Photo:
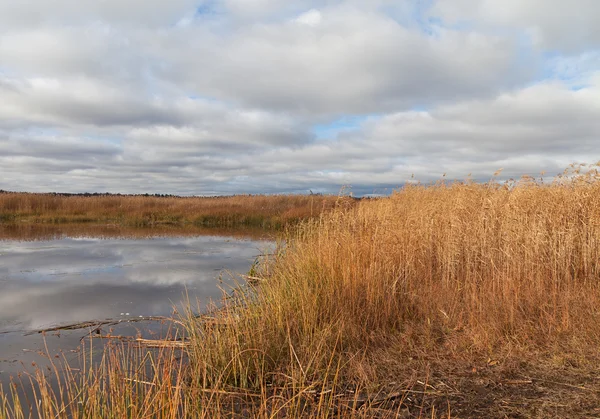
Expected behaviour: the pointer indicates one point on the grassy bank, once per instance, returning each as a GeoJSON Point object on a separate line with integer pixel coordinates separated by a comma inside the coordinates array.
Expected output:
{"type": "Point", "coordinates": [447, 300]}
{"type": "Point", "coordinates": [265, 211]}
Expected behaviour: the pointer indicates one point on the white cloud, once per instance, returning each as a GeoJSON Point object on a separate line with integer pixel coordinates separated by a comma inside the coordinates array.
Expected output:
{"type": "Point", "coordinates": [351, 62]}
{"type": "Point", "coordinates": [224, 96]}
{"type": "Point", "coordinates": [311, 18]}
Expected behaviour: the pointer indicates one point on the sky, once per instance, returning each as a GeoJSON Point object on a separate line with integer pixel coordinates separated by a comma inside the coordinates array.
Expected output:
{"type": "Point", "coordinates": [220, 97]}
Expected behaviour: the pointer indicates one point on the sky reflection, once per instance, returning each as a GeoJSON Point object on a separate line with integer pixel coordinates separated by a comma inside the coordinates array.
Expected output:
{"type": "Point", "coordinates": [68, 280]}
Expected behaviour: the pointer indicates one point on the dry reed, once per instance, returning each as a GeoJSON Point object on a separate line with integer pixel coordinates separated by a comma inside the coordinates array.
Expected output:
{"type": "Point", "coordinates": [461, 268]}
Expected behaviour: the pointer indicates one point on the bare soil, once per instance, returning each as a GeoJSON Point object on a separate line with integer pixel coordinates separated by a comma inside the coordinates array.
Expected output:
{"type": "Point", "coordinates": [535, 388]}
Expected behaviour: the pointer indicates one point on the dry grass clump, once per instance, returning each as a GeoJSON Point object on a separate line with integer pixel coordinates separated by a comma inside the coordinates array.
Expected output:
{"type": "Point", "coordinates": [125, 382]}
{"type": "Point", "coordinates": [272, 211]}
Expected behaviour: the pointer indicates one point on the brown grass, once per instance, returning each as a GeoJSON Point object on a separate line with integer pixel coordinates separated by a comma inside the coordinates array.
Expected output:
{"type": "Point", "coordinates": [267, 211]}
{"type": "Point", "coordinates": [479, 299]}
{"type": "Point", "coordinates": [459, 272]}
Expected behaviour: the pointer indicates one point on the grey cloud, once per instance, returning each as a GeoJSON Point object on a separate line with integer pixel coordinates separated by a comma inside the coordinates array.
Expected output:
{"type": "Point", "coordinates": [474, 137]}
{"type": "Point", "coordinates": [220, 129]}
{"type": "Point", "coordinates": [543, 127]}
{"type": "Point", "coordinates": [34, 13]}
{"type": "Point", "coordinates": [49, 101]}
{"type": "Point", "coordinates": [351, 62]}
{"type": "Point", "coordinates": [49, 147]}
{"type": "Point", "coordinates": [144, 122]}
{"type": "Point", "coordinates": [570, 26]}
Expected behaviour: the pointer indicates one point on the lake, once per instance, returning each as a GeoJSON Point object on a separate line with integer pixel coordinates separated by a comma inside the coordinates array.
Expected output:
{"type": "Point", "coordinates": [58, 276]}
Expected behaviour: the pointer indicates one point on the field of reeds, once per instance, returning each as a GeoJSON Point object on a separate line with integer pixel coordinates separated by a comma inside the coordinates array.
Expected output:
{"type": "Point", "coordinates": [446, 300]}
{"type": "Point", "coordinates": [264, 211]}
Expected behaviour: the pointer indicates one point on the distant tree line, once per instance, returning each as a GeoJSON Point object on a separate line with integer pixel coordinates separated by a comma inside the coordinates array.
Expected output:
{"type": "Point", "coordinates": [156, 195]}
{"type": "Point", "coordinates": [86, 194]}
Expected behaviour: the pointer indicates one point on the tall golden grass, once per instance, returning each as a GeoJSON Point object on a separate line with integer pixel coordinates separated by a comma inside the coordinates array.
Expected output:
{"type": "Point", "coordinates": [271, 211]}
{"type": "Point", "coordinates": [444, 270]}
{"type": "Point", "coordinates": [453, 268]}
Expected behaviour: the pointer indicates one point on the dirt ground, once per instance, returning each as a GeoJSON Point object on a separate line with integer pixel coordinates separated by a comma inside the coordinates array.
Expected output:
{"type": "Point", "coordinates": [496, 389]}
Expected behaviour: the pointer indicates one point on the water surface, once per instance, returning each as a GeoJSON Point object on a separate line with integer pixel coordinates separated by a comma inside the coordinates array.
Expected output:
{"type": "Point", "coordinates": [59, 278]}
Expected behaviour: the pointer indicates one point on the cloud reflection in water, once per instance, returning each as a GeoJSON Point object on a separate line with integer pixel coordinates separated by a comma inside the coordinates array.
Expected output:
{"type": "Point", "coordinates": [77, 279]}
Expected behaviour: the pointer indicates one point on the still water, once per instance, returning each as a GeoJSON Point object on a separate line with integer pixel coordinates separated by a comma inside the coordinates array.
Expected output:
{"type": "Point", "coordinates": [67, 277]}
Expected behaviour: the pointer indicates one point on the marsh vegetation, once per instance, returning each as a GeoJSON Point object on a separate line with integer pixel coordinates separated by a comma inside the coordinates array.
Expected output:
{"type": "Point", "coordinates": [447, 300]}
{"type": "Point", "coordinates": [264, 211]}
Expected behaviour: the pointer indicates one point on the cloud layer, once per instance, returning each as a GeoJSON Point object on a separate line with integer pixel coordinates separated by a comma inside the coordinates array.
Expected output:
{"type": "Point", "coordinates": [219, 97]}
